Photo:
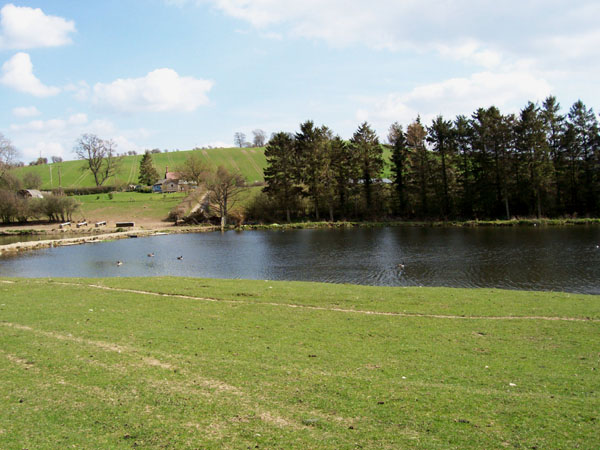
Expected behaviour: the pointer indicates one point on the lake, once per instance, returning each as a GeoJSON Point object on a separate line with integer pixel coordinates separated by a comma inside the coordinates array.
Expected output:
{"type": "Point", "coordinates": [532, 258]}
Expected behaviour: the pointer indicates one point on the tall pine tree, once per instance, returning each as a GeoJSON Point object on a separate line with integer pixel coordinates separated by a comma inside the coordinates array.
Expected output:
{"type": "Point", "coordinates": [148, 174]}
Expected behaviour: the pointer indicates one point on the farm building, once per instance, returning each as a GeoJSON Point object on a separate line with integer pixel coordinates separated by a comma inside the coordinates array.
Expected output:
{"type": "Point", "coordinates": [30, 193]}
{"type": "Point", "coordinates": [172, 182]}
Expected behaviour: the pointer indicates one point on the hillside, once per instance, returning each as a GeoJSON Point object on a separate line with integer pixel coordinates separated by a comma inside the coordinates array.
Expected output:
{"type": "Point", "coordinates": [249, 161]}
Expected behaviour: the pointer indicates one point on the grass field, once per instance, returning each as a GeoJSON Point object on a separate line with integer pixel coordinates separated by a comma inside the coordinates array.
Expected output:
{"type": "Point", "coordinates": [127, 206]}
{"type": "Point", "coordinates": [109, 363]}
{"type": "Point", "coordinates": [249, 161]}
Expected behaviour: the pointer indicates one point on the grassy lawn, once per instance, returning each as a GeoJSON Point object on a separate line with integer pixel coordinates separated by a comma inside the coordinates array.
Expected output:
{"type": "Point", "coordinates": [249, 161]}
{"type": "Point", "coordinates": [260, 364]}
{"type": "Point", "coordinates": [128, 206]}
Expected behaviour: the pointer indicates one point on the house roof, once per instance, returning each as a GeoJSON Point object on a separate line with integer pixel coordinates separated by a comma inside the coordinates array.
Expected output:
{"type": "Point", "coordinates": [32, 192]}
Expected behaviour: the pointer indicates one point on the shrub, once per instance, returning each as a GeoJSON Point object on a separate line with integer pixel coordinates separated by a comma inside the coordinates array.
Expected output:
{"type": "Point", "coordinates": [83, 190]}
{"type": "Point", "coordinates": [54, 207]}
{"type": "Point", "coordinates": [12, 207]}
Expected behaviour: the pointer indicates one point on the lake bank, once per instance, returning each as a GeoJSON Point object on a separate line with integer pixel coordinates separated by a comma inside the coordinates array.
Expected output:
{"type": "Point", "coordinates": [187, 362]}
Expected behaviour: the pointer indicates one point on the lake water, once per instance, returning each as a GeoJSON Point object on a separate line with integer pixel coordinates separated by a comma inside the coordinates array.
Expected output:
{"type": "Point", "coordinates": [534, 258]}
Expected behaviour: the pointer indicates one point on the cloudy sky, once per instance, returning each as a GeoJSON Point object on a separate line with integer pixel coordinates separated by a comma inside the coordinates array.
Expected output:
{"type": "Point", "coordinates": [183, 73]}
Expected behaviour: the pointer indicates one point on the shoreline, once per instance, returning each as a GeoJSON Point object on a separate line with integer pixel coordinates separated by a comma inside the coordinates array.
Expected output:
{"type": "Point", "coordinates": [93, 235]}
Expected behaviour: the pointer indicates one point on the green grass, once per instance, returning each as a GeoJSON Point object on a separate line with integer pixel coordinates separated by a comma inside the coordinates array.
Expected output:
{"type": "Point", "coordinates": [294, 365]}
{"type": "Point", "coordinates": [249, 161]}
{"type": "Point", "coordinates": [127, 206]}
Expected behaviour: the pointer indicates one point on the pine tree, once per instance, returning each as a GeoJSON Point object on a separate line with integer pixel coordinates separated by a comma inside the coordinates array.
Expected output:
{"type": "Point", "coordinates": [148, 174]}
{"type": "Point", "coordinates": [532, 145]}
{"type": "Point", "coordinates": [554, 127]}
{"type": "Point", "coordinates": [441, 135]}
{"type": "Point", "coordinates": [420, 170]}
{"type": "Point", "coordinates": [280, 173]}
{"type": "Point", "coordinates": [311, 147]}
{"type": "Point", "coordinates": [400, 161]}
{"type": "Point", "coordinates": [369, 153]}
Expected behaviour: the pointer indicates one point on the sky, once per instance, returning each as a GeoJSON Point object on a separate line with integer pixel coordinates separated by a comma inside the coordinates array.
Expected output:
{"type": "Point", "coordinates": [179, 74]}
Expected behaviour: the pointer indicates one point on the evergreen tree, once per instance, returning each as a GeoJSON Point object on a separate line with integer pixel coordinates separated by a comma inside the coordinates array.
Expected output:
{"type": "Point", "coordinates": [311, 148]}
{"type": "Point", "coordinates": [463, 136]}
{"type": "Point", "coordinates": [584, 142]}
{"type": "Point", "coordinates": [369, 154]}
{"type": "Point", "coordinates": [400, 165]}
{"type": "Point", "coordinates": [344, 170]}
{"type": "Point", "coordinates": [148, 174]}
{"type": "Point", "coordinates": [420, 165]}
{"type": "Point", "coordinates": [492, 144]}
{"type": "Point", "coordinates": [441, 135]}
{"type": "Point", "coordinates": [531, 143]}
{"type": "Point", "coordinates": [280, 173]}
{"type": "Point", "coordinates": [554, 127]}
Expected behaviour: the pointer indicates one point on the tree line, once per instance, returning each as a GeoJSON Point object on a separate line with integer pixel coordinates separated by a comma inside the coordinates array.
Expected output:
{"type": "Point", "coordinates": [490, 165]}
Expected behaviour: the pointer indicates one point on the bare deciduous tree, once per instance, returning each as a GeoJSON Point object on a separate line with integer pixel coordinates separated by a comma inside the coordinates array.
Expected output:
{"type": "Point", "coordinates": [56, 159]}
{"type": "Point", "coordinates": [239, 139]}
{"type": "Point", "coordinates": [224, 188]}
{"type": "Point", "coordinates": [100, 155]}
{"type": "Point", "coordinates": [194, 169]}
{"type": "Point", "coordinates": [8, 153]}
{"type": "Point", "coordinates": [260, 137]}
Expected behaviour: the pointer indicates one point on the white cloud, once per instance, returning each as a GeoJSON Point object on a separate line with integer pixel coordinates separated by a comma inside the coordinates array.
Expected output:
{"type": "Point", "coordinates": [24, 27]}
{"type": "Point", "coordinates": [52, 124]}
{"type": "Point", "coordinates": [25, 111]}
{"type": "Point", "coordinates": [160, 90]}
{"type": "Point", "coordinates": [455, 96]}
{"type": "Point", "coordinates": [56, 137]}
{"type": "Point", "coordinates": [484, 32]}
{"type": "Point", "coordinates": [17, 73]}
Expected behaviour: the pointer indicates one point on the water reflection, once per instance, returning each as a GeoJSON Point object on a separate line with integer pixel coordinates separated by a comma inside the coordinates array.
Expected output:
{"type": "Point", "coordinates": [523, 258]}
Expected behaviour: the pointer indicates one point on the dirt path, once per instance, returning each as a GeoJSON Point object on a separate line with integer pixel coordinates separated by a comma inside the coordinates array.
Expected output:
{"type": "Point", "coordinates": [341, 310]}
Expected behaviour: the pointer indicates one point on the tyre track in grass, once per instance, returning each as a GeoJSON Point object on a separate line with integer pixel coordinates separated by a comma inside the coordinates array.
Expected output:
{"type": "Point", "coordinates": [146, 361]}
{"type": "Point", "coordinates": [341, 310]}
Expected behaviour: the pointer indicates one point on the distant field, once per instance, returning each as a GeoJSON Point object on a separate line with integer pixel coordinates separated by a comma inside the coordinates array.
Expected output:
{"type": "Point", "coordinates": [127, 206]}
{"type": "Point", "coordinates": [249, 161]}
{"type": "Point", "coordinates": [198, 363]}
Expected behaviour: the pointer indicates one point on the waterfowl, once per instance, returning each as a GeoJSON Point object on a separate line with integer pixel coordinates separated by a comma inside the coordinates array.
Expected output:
{"type": "Point", "coordinates": [150, 255]}
{"type": "Point", "coordinates": [119, 263]}
{"type": "Point", "coordinates": [180, 257]}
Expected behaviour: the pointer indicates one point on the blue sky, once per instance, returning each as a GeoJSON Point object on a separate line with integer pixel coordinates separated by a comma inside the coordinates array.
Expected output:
{"type": "Point", "coordinates": [183, 73]}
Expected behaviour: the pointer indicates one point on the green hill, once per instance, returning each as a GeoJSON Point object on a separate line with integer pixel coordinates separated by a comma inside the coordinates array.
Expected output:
{"type": "Point", "coordinates": [249, 161]}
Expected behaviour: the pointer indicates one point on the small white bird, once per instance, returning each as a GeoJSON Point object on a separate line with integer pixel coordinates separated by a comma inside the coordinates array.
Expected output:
{"type": "Point", "coordinates": [119, 263]}
{"type": "Point", "coordinates": [401, 266]}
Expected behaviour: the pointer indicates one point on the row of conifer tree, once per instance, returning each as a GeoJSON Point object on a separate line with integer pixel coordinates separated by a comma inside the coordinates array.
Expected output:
{"type": "Point", "coordinates": [490, 165]}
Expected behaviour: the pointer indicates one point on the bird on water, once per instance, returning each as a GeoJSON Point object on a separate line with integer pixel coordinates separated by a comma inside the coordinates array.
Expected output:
{"type": "Point", "coordinates": [150, 255]}
{"type": "Point", "coordinates": [119, 263]}
{"type": "Point", "coordinates": [180, 257]}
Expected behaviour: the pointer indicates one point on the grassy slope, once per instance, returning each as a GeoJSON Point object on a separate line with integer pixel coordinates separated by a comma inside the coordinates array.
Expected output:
{"type": "Point", "coordinates": [127, 206]}
{"type": "Point", "coordinates": [87, 367]}
{"type": "Point", "coordinates": [250, 161]}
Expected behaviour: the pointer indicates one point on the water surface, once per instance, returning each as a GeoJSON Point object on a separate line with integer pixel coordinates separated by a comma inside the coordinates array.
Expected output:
{"type": "Point", "coordinates": [533, 258]}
